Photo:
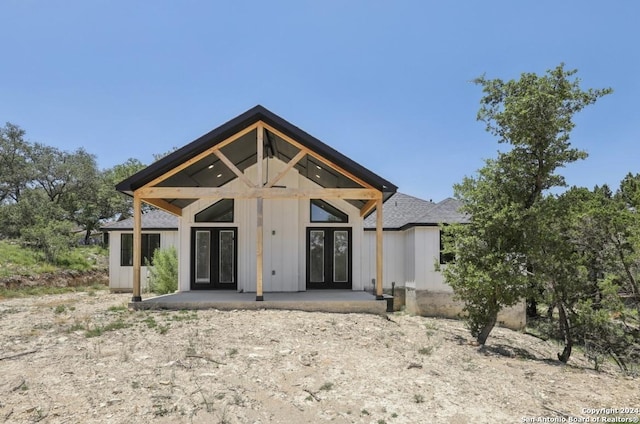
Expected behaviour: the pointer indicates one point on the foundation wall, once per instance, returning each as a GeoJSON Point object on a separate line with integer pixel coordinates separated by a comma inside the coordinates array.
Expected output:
{"type": "Point", "coordinates": [441, 304]}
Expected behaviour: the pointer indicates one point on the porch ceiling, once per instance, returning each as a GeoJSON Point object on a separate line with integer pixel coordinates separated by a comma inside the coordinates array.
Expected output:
{"type": "Point", "coordinates": [210, 170]}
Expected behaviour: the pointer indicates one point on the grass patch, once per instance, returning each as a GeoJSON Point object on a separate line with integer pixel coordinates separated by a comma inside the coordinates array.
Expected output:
{"type": "Point", "coordinates": [99, 330]}
{"type": "Point", "coordinates": [327, 386]}
{"type": "Point", "coordinates": [150, 321]}
{"type": "Point", "coordinates": [76, 327]}
{"type": "Point", "coordinates": [47, 290]}
{"type": "Point", "coordinates": [120, 308]}
{"type": "Point", "coordinates": [17, 260]}
{"type": "Point", "coordinates": [418, 398]}
{"type": "Point", "coordinates": [425, 350]}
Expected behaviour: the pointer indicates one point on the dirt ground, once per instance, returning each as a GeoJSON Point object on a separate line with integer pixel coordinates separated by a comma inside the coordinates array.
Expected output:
{"type": "Point", "coordinates": [84, 357]}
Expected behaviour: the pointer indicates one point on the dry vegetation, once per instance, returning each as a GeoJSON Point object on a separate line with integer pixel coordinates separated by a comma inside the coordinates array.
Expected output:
{"type": "Point", "coordinates": [84, 357]}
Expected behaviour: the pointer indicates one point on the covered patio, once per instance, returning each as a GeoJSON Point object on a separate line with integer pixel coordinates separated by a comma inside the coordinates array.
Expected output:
{"type": "Point", "coordinates": [263, 206]}
{"type": "Point", "coordinates": [338, 301]}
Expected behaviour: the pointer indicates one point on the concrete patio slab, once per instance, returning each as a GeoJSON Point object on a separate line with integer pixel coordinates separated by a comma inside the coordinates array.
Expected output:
{"type": "Point", "coordinates": [339, 301]}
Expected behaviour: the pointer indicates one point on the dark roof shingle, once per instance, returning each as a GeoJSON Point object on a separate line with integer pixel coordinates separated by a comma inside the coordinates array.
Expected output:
{"type": "Point", "coordinates": [152, 220]}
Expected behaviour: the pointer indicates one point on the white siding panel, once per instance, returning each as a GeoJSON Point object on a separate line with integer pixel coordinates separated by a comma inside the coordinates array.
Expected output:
{"type": "Point", "coordinates": [393, 265]}
{"type": "Point", "coordinates": [427, 255]}
{"type": "Point", "coordinates": [121, 277]}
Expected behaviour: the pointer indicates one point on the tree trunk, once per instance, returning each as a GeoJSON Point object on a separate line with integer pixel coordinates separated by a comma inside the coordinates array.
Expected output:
{"type": "Point", "coordinates": [566, 334]}
{"type": "Point", "coordinates": [486, 330]}
{"type": "Point", "coordinates": [532, 308]}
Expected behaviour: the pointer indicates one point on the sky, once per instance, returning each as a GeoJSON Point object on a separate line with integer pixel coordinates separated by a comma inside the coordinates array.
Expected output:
{"type": "Point", "coordinates": [387, 83]}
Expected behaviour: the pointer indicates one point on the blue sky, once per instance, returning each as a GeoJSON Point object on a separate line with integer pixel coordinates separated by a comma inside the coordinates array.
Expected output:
{"type": "Point", "coordinates": [386, 83]}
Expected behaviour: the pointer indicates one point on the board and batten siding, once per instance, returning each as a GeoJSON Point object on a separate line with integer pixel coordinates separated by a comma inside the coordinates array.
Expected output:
{"type": "Point", "coordinates": [121, 277]}
{"type": "Point", "coordinates": [410, 258]}
{"type": "Point", "coordinates": [394, 258]}
{"type": "Point", "coordinates": [427, 253]}
{"type": "Point", "coordinates": [284, 239]}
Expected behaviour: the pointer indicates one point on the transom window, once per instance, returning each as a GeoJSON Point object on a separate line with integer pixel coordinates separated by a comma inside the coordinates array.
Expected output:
{"type": "Point", "coordinates": [321, 211]}
{"type": "Point", "coordinates": [221, 211]}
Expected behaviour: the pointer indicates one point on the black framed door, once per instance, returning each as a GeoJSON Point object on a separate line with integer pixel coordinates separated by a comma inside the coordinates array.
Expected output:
{"type": "Point", "coordinates": [214, 258]}
{"type": "Point", "coordinates": [329, 258]}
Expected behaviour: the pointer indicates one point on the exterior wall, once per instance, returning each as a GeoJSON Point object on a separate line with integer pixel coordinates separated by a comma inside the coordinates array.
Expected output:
{"type": "Point", "coordinates": [394, 265]}
{"type": "Point", "coordinates": [284, 237]}
{"type": "Point", "coordinates": [410, 259]}
{"type": "Point", "coordinates": [442, 304]}
{"type": "Point", "coordinates": [121, 277]}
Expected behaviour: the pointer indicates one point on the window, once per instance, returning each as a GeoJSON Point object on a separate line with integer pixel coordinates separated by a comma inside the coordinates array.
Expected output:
{"type": "Point", "coordinates": [150, 242]}
{"type": "Point", "coordinates": [321, 211]}
{"type": "Point", "coordinates": [445, 258]}
{"type": "Point", "coordinates": [221, 211]}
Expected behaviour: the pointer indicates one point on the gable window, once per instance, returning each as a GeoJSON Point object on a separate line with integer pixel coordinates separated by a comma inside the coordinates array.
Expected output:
{"type": "Point", "coordinates": [321, 211]}
{"type": "Point", "coordinates": [150, 242]}
{"type": "Point", "coordinates": [221, 211]}
{"type": "Point", "coordinates": [447, 257]}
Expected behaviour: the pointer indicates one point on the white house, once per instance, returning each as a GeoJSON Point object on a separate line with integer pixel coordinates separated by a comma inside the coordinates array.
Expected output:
{"type": "Point", "coordinates": [258, 205]}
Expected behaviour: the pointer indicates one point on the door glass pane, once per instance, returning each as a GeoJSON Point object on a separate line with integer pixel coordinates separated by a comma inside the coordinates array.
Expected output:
{"type": "Point", "coordinates": [203, 257]}
{"type": "Point", "coordinates": [340, 256]}
{"type": "Point", "coordinates": [316, 256]}
{"type": "Point", "coordinates": [226, 257]}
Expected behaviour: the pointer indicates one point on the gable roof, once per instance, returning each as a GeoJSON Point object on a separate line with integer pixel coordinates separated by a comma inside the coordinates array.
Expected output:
{"type": "Point", "coordinates": [242, 152]}
{"type": "Point", "coordinates": [402, 211]}
{"type": "Point", "coordinates": [155, 219]}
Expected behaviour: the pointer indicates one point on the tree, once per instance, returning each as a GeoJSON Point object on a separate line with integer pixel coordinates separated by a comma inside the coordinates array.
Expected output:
{"type": "Point", "coordinates": [534, 116]}
{"type": "Point", "coordinates": [15, 165]}
{"type": "Point", "coordinates": [583, 264]}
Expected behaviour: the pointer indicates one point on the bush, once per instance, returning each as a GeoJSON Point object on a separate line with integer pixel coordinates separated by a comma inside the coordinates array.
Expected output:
{"type": "Point", "coordinates": [73, 259]}
{"type": "Point", "coordinates": [163, 275]}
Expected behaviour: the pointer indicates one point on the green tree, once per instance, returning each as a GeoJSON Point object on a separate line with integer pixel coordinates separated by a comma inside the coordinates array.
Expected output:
{"type": "Point", "coordinates": [15, 165]}
{"type": "Point", "coordinates": [583, 264]}
{"type": "Point", "coordinates": [534, 115]}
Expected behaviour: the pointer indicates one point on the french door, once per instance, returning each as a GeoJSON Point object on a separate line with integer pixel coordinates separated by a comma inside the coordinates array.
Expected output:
{"type": "Point", "coordinates": [329, 258]}
{"type": "Point", "coordinates": [214, 259]}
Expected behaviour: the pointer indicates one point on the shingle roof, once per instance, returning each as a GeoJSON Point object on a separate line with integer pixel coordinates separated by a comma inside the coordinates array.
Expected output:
{"type": "Point", "coordinates": [445, 212]}
{"type": "Point", "coordinates": [402, 211]}
{"type": "Point", "coordinates": [152, 220]}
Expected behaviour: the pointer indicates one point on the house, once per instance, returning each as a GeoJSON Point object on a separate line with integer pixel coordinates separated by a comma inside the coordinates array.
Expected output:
{"type": "Point", "coordinates": [258, 205]}
{"type": "Point", "coordinates": [262, 206]}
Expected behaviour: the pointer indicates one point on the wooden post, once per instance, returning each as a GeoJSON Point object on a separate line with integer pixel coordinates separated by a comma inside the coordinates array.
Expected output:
{"type": "Point", "coordinates": [379, 249]}
{"type": "Point", "coordinates": [259, 223]}
{"type": "Point", "coordinates": [259, 251]}
{"type": "Point", "coordinates": [137, 246]}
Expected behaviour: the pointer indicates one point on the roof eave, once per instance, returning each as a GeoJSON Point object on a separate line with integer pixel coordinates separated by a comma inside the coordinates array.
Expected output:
{"type": "Point", "coordinates": [237, 124]}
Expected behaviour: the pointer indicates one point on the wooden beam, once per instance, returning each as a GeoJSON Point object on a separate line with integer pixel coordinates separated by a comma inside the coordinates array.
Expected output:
{"type": "Point", "coordinates": [368, 207]}
{"type": "Point", "coordinates": [137, 246]}
{"type": "Point", "coordinates": [379, 243]}
{"type": "Point", "coordinates": [164, 205]}
{"type": "Point", "coordinates": [319, 158]}
{"type": "Point", "coordinates": [297, 158]}
{"type": "Point", "coordinates": [253, 193]}
{"type": "Point", "coordinates": [233, 168]}
{"type": "Point", "coordinates": [201, 156]}
{"type": "Point", "coordinates": [260, 154]}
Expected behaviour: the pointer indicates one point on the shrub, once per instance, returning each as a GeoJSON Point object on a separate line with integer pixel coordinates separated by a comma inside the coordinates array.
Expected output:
{"type": "Point", "coordinates": [163, 275]}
